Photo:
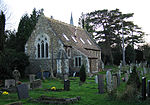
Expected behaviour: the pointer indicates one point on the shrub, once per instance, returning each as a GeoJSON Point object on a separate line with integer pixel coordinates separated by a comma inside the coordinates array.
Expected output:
{"type": "Point", "coordinates": [11, 59]}
{"type": "Point", "coordinates": [134, 79]}
{"type": "Point", "coordinates": [82, 74]}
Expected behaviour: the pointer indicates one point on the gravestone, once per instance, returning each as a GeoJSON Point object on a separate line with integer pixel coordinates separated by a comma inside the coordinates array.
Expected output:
{"type": "Point", "coordinates": [126, 77]}
{"type": "Point", "coordinates": [120, 66]}
{"type": "Point", "coordinates": [67, 85]}
{"type": "Point", "coordinates": [16, 75]}
{"type": "Point", "coordinates": [119, 73]}
{"type": "Point", "coordinates": [143, 88]}
{"type": "Point", "coordinates": [118, 80]}
{"type": "Point", "coordinates": [103, 66]}
{"type": "Point", "coordinates": [145, 71]}
{"type": "Point", "coordinates": [22, 91]}
{"type": "Point", "coordinates": [31, 78]}
{"type": "Point", "coordinates": [108, 79]}
{"type": "Point", "coordinates": [9, 83]}
{"type": "Point", "coordinates": [128, 72]}
{"type": "Point", "coordinates": [138, 72]}
{"type": "Point", "coordinates": [130, 68]}
{"type": "Point", "coordinates": [36, 84]}
{"type": "Point", "coordinates": [142, 73]}
{"type": "Point", "coordinates": [66, 77]}
{"type": "Point", "coordinates": [100, 84]}
{"type": "Point", "coordinates": [96, 79]}
{"type": "Point", "coordinates": [148, 88]}
{"type": "Point", "coordinates": [114, 82]}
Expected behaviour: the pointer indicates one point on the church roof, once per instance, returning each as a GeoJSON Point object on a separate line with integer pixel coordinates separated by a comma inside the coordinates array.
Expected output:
{"type": "Point", "coordinates": [73, 36]}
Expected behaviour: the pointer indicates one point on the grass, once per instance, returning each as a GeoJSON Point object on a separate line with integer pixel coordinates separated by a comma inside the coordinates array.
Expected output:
{"type": "Point", "coordinates": [88, 93]}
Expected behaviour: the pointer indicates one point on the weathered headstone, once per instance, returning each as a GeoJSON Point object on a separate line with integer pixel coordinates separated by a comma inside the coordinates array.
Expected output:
{"type": "Point", "coordinates": [96, 79]}
{"type": "Point", "coordinates": [142, 73]}
{"type": "Point", "coordinates": [138, 72]}
{"type": "Point", "coordinates": [120, 66]}
{"type": "Point", "coordinates": [143, 88]}
{"type": "Point", "coordinates": [130, 68]}
{"type": "Point", "coordinates": [103, 66]}
{"type": "Point", "coordinates": [114, 82]}
{"type": "Point", "coordinates": [118, 80]}
{"type": "Point", "coordinates": [126, 77]}
{"type": "Point", "coordinates": [16, 75]}
{"type": "Point", "coordinates": [108, 79]}
{"type": "Point", "coordinates": [119, 73]}
{"type": "Point", "coordinates": [145, 71]}
{"type": "Point", "coordinates": [128, 72]}
{"type": "Point", "coordinates": [67, 85]}
{"type": "Point", "coordinates": [22, 91]}
{"type": "Point", "coordinates": [36, 84]}
{"type": "Point", "coordinates": [66, 77]}
{"type": "Point", "coordinates": [100, 84]}
{"type": "Point", "coordinates": [31, 77]}
{"type": "Point", "coordinates": [9, 83]}
{"type": "Point", "coordinates": [148, 88]}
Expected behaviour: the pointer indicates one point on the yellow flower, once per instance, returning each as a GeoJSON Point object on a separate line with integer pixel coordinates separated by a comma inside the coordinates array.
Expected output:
{"type": "Point", "coordinates": [5, 93]}
{"type": "Point", "coordinates": [53, 88]}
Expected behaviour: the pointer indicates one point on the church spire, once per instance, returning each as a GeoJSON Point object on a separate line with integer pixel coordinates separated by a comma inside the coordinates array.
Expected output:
{"type": "Point", "coordinates": [71, 19]}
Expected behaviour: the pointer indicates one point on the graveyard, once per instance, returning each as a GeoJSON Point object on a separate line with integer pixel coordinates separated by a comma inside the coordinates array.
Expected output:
{"type": "Point", "coordinates": [96, 90]}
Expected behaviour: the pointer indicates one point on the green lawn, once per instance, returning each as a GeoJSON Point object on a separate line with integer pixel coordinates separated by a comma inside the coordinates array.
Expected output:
{"type": "Point", "coordinates": [88, 93]}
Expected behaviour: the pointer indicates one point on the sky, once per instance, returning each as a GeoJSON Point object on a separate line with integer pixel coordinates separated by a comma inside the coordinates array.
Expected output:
{"type": "Point", "coordinates": [61, 10]}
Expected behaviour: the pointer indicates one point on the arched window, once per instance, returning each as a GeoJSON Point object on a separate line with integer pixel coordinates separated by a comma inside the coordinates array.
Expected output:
{"type": "Point", "coordinates": [38, 47]}
{"type": "Point", "coordinates": [46, 49]}
{"type": "Point", "coordinates": [42, 46]}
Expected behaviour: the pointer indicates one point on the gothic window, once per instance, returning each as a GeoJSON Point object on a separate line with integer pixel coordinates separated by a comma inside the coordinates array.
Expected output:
{"type": "Point", "coordinates": [38, 50]}
{"type": "Point", "coordinates": [77, 61]}
{"type": "Point", "coordinates": [42, 49]}
{"type": "Point", "coordinates": [46, 49]}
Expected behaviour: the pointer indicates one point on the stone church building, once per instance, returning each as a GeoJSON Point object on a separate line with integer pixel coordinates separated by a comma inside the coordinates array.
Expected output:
{"type": "Point", "coordinates": [61, 47]}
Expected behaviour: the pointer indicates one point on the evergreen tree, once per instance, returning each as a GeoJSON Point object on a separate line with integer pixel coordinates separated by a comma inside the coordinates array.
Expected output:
{"type": "Point", "coordinates": [82, 74]}
{"type": "Point", "coordinates": [130, 54]}
{"type": "Point", "coordinates": [134, 79]}
{"type": "Point", "coordinates": [2, 31]}
{"type": "Point", "coordinates": [107, 28]}
{"type": "Point", "coordinates": [26, 26]}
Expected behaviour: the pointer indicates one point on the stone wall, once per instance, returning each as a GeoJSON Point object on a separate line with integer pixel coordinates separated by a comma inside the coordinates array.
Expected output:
{"type": "Point", "coordinates": [43, 27]}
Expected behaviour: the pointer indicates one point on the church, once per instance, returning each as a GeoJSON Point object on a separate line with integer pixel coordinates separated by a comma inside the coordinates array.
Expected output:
{"type": "Point", "coordinates": [61, 47]}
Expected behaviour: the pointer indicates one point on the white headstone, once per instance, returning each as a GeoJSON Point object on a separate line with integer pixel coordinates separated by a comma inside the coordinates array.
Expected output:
{"type": "Point", "coordinates": [145, 72]}
{"type": "Point", "coordinates": [31, 77]}
{"type": "Point", "coordinates": [96, 79]}
{"type": "Point", "coordinates": [108, 79]}
{"type": "Point", "coordinates": [9, 83]}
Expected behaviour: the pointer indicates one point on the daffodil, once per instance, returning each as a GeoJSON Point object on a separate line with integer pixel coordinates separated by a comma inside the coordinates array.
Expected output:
{"type": "Point", "coordinates": [53, 88]}
{"type": "Point", "coordinates": [5, 93]}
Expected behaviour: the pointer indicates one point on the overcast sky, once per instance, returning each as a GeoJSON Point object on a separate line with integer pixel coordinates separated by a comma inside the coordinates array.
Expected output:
{"type": "Point", "coordinates": [61, 9]}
